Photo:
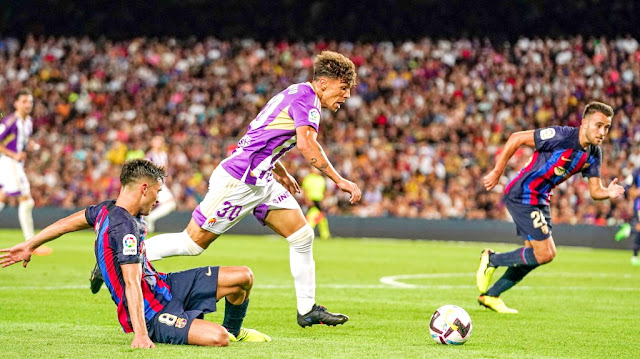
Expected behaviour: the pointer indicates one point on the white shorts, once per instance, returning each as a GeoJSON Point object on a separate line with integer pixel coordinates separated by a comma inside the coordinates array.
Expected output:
{"type": "Point", "coordinates": [13, 179]}
{"type": "Point", "coordinates": [229, 200]}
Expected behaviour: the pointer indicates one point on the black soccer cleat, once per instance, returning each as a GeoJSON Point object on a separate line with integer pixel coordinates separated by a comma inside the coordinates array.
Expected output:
{"type": "Point", "coordinates": [96, 279]}
{"type": "Point", "coordinates": [320, 315]}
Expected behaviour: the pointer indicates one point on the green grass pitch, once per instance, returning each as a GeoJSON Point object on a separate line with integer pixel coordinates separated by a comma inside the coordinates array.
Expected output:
{"type": "Point", "coordinates": [582, 305]}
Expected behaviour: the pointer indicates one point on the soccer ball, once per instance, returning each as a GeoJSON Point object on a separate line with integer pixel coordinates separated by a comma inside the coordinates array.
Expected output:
{"type": "Point", "coordinates": [450, 324]}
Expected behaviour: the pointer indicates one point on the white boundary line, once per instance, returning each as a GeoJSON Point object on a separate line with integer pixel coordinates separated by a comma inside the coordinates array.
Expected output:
{"type": "Point", "coordinates": [395, 281]}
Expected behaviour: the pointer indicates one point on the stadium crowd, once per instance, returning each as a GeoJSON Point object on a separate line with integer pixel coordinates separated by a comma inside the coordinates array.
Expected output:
{"type": "Point", "coordinates": [421, 129]}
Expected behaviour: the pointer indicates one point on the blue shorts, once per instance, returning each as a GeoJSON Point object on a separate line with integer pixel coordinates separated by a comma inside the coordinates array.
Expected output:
{"type": "Point", "coordinates": [533, 222]}
{"type": "Point", "coordinates": [194, 294]}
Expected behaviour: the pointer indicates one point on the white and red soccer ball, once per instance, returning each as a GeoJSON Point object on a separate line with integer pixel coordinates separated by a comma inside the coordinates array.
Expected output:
{"type": "Point", "coordinates": [450, 324]}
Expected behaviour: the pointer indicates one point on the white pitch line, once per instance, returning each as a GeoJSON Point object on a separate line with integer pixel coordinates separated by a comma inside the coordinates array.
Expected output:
{"type": "Point", "coordinates": [395, 281]}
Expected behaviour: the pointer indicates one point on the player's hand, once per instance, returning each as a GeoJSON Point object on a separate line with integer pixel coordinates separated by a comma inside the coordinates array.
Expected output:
{"type": "Point", "coordinates": [20, 156]}
{"type": "Point", "coordinates": [289, 183]}
{"type": "Point", "coordinates": [142, 341]}
{"type": "Point", "coordinates": [615, 190]}
{"type": "Point", "coordinates": [19, 253]}
{"type": "Point", "coordinates": [491, 180]}
{"type": "Point", "coordinates": [351, 188]}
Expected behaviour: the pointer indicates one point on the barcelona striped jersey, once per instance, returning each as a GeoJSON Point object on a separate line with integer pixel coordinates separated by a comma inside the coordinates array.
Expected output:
{"type": "Point", "coordinates": [120, 240]}
{"type": "Point", "coordinates": [557, 157]}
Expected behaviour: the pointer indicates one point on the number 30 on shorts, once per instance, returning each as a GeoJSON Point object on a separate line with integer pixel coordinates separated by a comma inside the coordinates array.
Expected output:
{"type": "Point", "coordinates": [539, 221]}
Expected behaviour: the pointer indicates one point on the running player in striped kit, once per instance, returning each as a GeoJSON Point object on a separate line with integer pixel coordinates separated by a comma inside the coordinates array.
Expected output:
{"type": "Point", "coordinates": [561, 152]}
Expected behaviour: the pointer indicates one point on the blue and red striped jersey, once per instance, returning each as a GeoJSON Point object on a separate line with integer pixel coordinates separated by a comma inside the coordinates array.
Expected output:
{"type": "Point", "coordinates": [557, 157]}
{"type": "Point", "coordinates": [120, 240]}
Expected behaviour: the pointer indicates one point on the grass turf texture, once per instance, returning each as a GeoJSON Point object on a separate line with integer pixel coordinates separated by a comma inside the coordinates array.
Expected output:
{"type": "Point", "coordinates": [582, 305]}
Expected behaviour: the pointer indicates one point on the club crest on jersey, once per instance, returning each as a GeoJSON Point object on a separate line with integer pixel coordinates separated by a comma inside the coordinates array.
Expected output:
{"type": "Point", "coordinates": [129, 247]}
{"type": "Point", "coordinates": [314, 116]}
{"type": "Point", "coordinates": [244, 141]}
{"type": "Point", "coordinates": [559, 171]}
{"type": "Point", "coordinates": [547, 133]}
{"type": "Point", "coordinates": [181, 323]}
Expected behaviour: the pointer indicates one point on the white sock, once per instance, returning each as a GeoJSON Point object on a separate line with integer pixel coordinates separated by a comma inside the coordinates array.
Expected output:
{"type": "Point", "coordinates": [303, 267]}
{"type": "Point", "coordinates": [25, 217]}
{"type": "Point", "coordinates": [1, 206]}
{"type": "Point", "coordinates": [171, 244]}
{"type": "Point", "coordinates": [162, 210]}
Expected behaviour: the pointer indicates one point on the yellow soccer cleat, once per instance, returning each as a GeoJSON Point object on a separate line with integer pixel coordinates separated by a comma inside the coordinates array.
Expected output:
{"type": "Point", "coordinates": [495, 304]}
{"type": "Point", "coordinates": [485, 271]}
{"type": "Point", "coordinates": [249, 336]}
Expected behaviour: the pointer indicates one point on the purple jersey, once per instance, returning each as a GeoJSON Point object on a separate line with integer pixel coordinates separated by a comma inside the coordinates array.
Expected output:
{"type": "Point", "coordinates": [120, 240]}
{"type": "Point", "coordinates": [558, 156]}
{"type": "Point", "coordinates": [15, 132]}
{"type": "Point", "coordinates": [273, 133]}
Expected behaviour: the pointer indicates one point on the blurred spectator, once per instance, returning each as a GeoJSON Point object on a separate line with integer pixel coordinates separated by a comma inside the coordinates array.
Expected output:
{"type": "Point", "coordinates": [423, 126]}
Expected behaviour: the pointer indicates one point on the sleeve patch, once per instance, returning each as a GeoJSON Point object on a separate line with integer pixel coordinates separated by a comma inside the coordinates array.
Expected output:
{"type": "Point", "coordinates": [129, 245]}
{"type": "Point", "coordinates": [314, 116]}
{"type": "Point", "coordinates": [547, 133]}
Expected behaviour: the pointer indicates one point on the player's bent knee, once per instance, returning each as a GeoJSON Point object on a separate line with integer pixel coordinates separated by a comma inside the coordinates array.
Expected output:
{"type": "Point", "coordinates": [245, 277]}
{"type": "Point", "coordinates": [302, 239]}
{"type": "Point", "coordinates": [220, 338]}
{"type": "Point", "coordinates": [545, 256]}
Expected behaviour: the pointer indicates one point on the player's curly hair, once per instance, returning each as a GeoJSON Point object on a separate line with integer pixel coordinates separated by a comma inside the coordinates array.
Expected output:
{"type": "Point", "coordinates": [135, 170]}
{"type": "Point", "coordinates": [595, 106]}
{"type": "Point", "coordinates": [335, 66]}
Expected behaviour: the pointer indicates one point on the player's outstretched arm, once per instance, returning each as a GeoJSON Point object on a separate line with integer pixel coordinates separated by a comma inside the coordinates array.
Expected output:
{"type": "Point", "coordinates": [598, 191]}
{"type": "Point", "coordinates": [308, 145]}
{"type": "Point", "coordinates": [285, 178]}
{"type": "Point", "coordinates": [514, 142]}
{"type": "Point", "coordinates": [22, 252]}
{"type": "Point", "coordinates": [132, 274]}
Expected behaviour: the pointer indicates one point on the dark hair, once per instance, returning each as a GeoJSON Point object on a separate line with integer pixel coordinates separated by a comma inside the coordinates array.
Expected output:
{"type": "Point", "coordinates": [138, 169]}
{"type": "Point", "coordinates": [595, 106]}
{"type": "Point", "coordinates": [23, 91]}
{"type": "Point", "coordinates": [335, 66]}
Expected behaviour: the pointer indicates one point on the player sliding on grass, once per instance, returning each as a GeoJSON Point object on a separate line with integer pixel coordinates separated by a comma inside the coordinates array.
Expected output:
{"type": "Point", "coordinates": [560, 153]}
{"type": "Point", "coordinates": [156, 307]}
{"type": "Point", "coordinates": [252, 180]}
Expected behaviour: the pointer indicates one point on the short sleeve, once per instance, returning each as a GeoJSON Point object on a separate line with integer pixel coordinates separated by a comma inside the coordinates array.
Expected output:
{"type": "Point", "coordinates": [304, 113]}
{"type": "Point", "coordinates": [125, 242]}
{"type": "Point", "coordinates": [91, 213]}
{"type": "Point", "coordinates": [594, 161]}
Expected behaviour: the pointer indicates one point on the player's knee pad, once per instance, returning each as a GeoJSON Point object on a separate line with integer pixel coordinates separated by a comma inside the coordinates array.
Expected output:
{"type": "Point", "coordinates": [302, 239]}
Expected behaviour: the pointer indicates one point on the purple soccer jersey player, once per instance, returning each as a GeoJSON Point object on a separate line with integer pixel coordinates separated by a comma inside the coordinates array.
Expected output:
{"type": "Point", "coordinates": [15, 131]}
{"type": "Point", "coordinates": [253, 180]}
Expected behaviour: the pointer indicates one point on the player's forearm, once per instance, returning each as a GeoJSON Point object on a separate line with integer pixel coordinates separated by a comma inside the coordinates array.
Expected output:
{"type": "Point", "coordinates": [7, 152]}
{"type": "Point", "coordinates": [513, 143]}
{"type": "Point", "coordinates": [279, 169]}
{"type": "Point", "coordinates": [132, 274]}
{"type": "Point", "coordinates": [599, 193]}
{"type": "Point", "coordinates": [72, 223]}
{"type": "Point", "coordinates": [318, 159]}
{"type": "Point", "coordinates": [133, 292]}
